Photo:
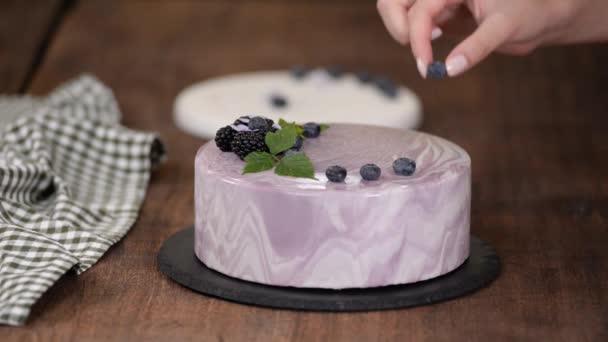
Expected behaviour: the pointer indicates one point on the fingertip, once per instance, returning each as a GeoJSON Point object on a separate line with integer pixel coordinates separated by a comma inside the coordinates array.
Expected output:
{"type": "Point", "coordinates": [422, 67]}
{"type": "Point", "coordinates": [402, 39]}
{"type": "Point", "coordinates": [422, 51]}
{"type": "Point", "coordinates": [490, 34]}
{"type": "Point", "coordinates": [456, 65]}
{"type": "Point", "coordinates": [436, 33]}
{"type": "Point", "coordinates": [422, 31]}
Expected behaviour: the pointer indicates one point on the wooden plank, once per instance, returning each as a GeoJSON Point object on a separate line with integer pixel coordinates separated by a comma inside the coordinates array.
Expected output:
{"type": "Point", "coordinates": [535, 128]}
{"type": "Point", "coordinates": [23, 28]}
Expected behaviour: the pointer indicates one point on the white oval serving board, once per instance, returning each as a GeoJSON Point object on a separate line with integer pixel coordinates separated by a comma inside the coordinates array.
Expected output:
{"type": "Point", "coordinates": [202, 108]}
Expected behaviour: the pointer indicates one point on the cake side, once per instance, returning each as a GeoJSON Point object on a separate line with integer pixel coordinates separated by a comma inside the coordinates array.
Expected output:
{"type": "Point", "coordinates": [311, 233]}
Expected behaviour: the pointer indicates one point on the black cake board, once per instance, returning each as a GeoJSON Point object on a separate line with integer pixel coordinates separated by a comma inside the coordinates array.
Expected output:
{"type": "Point", "coordinates": [176, 259]}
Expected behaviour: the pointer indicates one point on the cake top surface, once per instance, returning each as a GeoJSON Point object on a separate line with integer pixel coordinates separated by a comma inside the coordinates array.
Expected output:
{"type": "Point", "coordinates": [351, 146]}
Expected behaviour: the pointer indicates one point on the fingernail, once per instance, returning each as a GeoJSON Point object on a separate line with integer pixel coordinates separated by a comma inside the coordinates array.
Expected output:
{"type": "Point", "coordinates": [456, 65]}
{"type": "Point", "coordinates": [421, 67]}
{"type": "Point", "coordinates": [436, 33]}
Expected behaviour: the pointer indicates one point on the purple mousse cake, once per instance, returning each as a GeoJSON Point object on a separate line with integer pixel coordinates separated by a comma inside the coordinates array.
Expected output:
{"type": "Point", "coordinates": [314, 233]}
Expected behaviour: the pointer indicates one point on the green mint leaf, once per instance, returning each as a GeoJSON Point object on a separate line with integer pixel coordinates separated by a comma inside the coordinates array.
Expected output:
{"type": "Point", "coordinates": [298, 128]}
{"type": "Point", "coordinates": [281, 140]}
{"type": "Point", "coordinates": [258, 161]}
{"type": "Point", "coordinates": [295, 165]}
{"type": "Point", "coordinates": [300, 131]}
{"type": "Point", "coordinates": [324, 127]}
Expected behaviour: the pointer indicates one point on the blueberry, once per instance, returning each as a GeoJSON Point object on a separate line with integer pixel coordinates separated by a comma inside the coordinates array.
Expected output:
{"type": "Point", "coordinates": [311, 130]}
{"type": "Point", "coordinates": [436, 70]}
{"type": "Point", "coordinates": [298, 144]}
{"type": "Point", "coordinates": [334, 71]}
{"type": "Point", "coordinates": [299, 71]}
{"type": "Point", "coordinates": [364, 77]}
{"type": "Point", "coordinates": [336, 174]}
{"type": "Point", "coordinates": [404, 166]}
{"type": "Point", "coordinates": [278, 101]}
{"type": "Point", "coordinates": [386, 86]}
{"type": "Point", "coordinates": [257, 122]}
{"type": "Point", "coordinates": [370, 172]}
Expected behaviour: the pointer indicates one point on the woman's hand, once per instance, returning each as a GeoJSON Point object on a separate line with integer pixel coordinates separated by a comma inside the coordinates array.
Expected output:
{"type": "Point", "coordinates": [513, 27]}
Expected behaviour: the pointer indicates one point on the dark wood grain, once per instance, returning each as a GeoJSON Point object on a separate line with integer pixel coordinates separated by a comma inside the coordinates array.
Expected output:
{"type": "Point", "coordinates": [536, 129]}
{"type": "Point", "coordinates": [23, 28]}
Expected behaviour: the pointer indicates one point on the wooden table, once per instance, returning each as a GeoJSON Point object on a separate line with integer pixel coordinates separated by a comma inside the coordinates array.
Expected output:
{"type": "Point", "coordinates": [536, 129]}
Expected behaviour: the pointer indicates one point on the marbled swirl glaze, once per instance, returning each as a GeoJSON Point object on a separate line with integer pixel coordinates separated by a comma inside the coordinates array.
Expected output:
{"type": "Point", "coordinates": [311, 233]}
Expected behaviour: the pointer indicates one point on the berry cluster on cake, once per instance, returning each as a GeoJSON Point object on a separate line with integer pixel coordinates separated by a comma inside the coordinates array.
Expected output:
{"type": "Point", "coordinates": [346, 206]}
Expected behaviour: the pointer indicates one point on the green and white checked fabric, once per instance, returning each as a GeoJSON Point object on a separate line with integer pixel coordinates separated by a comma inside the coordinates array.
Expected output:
{"type": "Point", "coordinates": [72, 181]}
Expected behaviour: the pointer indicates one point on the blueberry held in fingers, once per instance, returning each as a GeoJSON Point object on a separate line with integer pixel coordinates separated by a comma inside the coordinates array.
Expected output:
{"type": "Point", "coordinates": [436, 70]}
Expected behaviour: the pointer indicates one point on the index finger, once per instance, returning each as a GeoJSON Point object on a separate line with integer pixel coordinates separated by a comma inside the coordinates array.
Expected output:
{"type": "Point", "coordinates": [421, 16]}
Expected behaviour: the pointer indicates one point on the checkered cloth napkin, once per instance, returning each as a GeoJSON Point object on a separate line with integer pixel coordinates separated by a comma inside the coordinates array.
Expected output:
{"type": "Point", "coordinates": [72, 181]}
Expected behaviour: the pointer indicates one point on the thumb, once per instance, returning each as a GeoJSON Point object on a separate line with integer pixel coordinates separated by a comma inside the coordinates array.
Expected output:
{"type": "Point", "coordinates": [491, 33]}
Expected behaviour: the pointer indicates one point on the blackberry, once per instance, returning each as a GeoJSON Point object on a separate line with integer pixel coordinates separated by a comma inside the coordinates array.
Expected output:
{"type": "Point", "coordinates": [436, 70]}
{"type": "Point", "coordinates": [336, 174]}
{"type": "Point", "coordinates": [370, 172]}
{"type": "Point", "coordinates": [311, 130]}
{"type": "Point", "coordinates": [257, 122]}
{"type": "Point", "coordinates": [404, 166]}
{"type": "Point", "coordinates": [223, 138]}
{"type": "Point", "coordinates": [245, 142]}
